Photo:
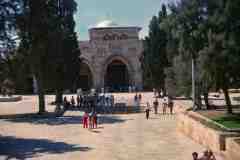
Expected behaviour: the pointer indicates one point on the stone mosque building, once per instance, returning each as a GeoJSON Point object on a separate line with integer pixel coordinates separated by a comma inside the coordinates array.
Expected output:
{"type": "Point", "coordinates": [110, 59]}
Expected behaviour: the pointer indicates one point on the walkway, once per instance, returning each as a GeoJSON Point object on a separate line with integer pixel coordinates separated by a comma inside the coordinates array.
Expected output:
{"type": "Point", "coordinates": [119, 137]}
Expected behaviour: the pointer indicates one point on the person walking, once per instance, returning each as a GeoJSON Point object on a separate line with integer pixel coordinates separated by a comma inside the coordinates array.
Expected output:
{"type": "Point", "coordinates": [170, 105]}
{"type": "Point", "coordinates": [72, 101]}
{"type": "Point", "coordinates": [155, 105]}
{"type": "Point", "coordinates": [165, 104]}
{"type": "Point", "coordinates": [78, 101]}
{"type": "Point", "coordinates": [85, 120]}
{"type": "Point", "coordinates": [90, 120]}
{"type": "Point", "coordinates": [95, 118]}
{"type": "Point", "coordinates": [136, 97]}
{"type": "Point", "coordinates": [140, 97]}
{"type": "Point", "coordinates": [147, 110]}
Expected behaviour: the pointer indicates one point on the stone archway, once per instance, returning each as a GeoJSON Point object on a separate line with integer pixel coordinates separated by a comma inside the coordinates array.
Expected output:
{"type": "Point", "coordinates": [117, 75]}
{"type": "Point", "coordinates": [85, 78]}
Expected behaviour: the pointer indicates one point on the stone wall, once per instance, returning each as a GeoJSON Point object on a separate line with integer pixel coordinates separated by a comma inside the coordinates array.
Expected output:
{"type": "Point", "coordinates": [200, 133]}
{"type": "Point", "coordinates": [197, 128]}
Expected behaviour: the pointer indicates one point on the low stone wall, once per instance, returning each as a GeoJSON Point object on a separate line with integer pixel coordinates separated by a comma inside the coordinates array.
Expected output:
{"type": "Point", "coordinates": [11, 99]}
{"type": "Point", "coordinates": [197, 127]}
{"type": "Point", "coordinates": [211, 138]}
{"type": "Point", "coordinates": [233, 149]}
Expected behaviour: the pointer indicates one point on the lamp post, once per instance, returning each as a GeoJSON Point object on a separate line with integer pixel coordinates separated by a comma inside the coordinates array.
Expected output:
{"type": "Point", "coordinates": [193, 84]}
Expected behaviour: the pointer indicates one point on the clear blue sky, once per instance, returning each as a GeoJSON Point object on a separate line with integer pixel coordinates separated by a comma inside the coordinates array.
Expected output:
{"type": "Point", "coordinates": [122, 12]}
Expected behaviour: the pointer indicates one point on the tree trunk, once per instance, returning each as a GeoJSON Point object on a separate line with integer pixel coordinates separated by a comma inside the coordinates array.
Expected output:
{"type": "Point", "coordinates": [198, 101]}
{"type": "Point", "coordinates": [41, 96]}
{"type": "Point", "coordinates": [228, 101]}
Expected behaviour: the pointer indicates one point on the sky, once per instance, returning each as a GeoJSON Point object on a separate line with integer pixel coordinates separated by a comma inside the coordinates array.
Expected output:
{"type": "Point", "coordinates": [122, 12]}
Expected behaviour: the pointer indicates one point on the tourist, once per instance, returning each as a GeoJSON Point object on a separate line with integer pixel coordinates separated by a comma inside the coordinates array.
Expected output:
{"type": "Point", "coordinates": [66, 104]}
{"type": "Point", "coordinates": [205, 156]}
{"type": "Point", "coordinates": [165, 104]}
{"type": "Point", "coordinates": [85, 120]}
{"type": "Point", "coordinates": [208, 155]}
{"type": "Point", "coordinates": [90, 120]}
{"type": "Point", "coordinates": [136, 97]}
{"type": "Point", "coordinates": [211, 155]}
{"type": "Point", "coordinates": [161, 94]}
{"type": "Point", "coordinates": [170, 105]}
{"type": "Point", "coordinates": [147, 110]}
{"type": "Point", "coordinates": [81, 101]}
{"type": "Point", "coordinates": [78, 100]}
{"type": "Point", "coordinates": [195, 156]}
{"type": "Point", "coordinates": [155, 105]}
{"type": "Point", "coordinates": [139, 97]}
{"type": "Point", "coordinates": [65, 101]}
{"type": "Point", "coordinates": [95, 117]}
{"type": "Point", "coordinates": [72, 101]}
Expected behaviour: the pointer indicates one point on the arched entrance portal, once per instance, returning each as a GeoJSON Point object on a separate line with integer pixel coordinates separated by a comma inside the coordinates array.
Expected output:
{"type": "Point", "coordinates": [85, 79]}
{"type": "Point", "coordinates": [117, 76]}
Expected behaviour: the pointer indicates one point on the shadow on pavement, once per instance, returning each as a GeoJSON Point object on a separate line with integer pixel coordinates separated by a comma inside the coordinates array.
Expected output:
{"type": "Point", "coordinates": [63, 120]}
{"type": "Point", "coordinates": [20, 148]}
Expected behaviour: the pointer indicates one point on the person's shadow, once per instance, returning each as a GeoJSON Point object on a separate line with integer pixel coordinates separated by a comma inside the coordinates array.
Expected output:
{"type": "Point", "coordinates": [21, 148]}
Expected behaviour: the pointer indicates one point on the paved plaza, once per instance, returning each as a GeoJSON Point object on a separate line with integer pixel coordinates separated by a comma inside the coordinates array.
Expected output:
{"type": "Point", "coordinates": [118, 137]}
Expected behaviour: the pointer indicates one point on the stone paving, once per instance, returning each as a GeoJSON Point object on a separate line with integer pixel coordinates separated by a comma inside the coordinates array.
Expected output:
{"type": "Point", "coordinates": [118, 137]}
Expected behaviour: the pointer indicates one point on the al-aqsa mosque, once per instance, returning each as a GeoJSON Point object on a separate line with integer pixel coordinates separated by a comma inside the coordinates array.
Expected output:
{"type": "Point", "coordinates": [111, 58]}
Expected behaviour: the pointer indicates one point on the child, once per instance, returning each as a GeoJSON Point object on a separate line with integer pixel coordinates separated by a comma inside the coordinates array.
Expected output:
{"type": "Point", "coordinates": [85, 120]}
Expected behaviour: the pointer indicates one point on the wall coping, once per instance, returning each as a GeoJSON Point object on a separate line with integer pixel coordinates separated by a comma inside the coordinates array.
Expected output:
{"type": "Point", "coordinates": [200, 118]}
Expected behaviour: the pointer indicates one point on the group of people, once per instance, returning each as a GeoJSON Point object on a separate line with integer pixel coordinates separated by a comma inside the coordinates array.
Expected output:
{"type": "Point", "coordinates": [89, 102]}
{"type": "Point", "coordinates": [90, 120]}
{"type": "Point", "coordinates": [137, 99]}
{"type": "Point", "coordinates": [79, 101]}
{"type": "Point", "coordinates": [167, 102]}
{"type": "Point", "coordinates": [207, 155]}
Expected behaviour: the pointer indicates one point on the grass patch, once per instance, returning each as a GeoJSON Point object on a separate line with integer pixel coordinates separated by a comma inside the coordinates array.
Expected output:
{"type": "Point", "coordinates": [229, 121]}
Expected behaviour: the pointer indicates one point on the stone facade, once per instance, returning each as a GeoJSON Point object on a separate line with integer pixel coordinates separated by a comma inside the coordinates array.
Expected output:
{"type": "Point", "coordinates": [108, 44]}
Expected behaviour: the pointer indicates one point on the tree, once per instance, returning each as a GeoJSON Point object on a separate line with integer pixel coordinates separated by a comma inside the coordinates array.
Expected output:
{"type": "Point", "coordinates": [9, 9]}
{"type": "Point", "coordinates": [189, 18]}
{"type": "Point", "coordinates": [34, 26]}
{"type": "Point", "coordinates": [49, 44]}
{"type": "Point", "coordinates": [63, 48]}
{"type": "Point", "coordinates": [223, 46]}
{"type": "Point", "coordinates": [155, 57]}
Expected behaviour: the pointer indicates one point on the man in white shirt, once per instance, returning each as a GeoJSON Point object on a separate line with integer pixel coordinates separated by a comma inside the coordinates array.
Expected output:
{"type": "Point", "coordinates": [165, 104]}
